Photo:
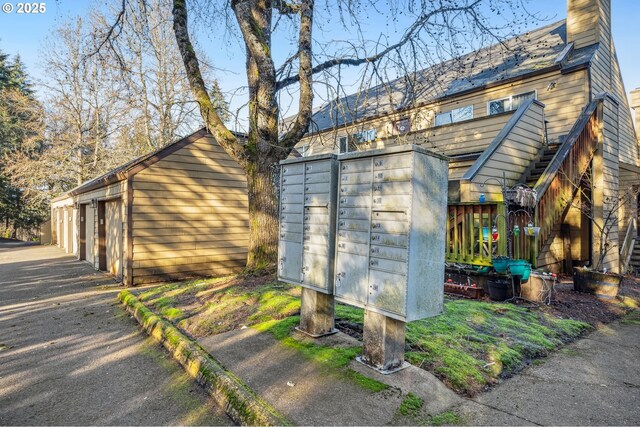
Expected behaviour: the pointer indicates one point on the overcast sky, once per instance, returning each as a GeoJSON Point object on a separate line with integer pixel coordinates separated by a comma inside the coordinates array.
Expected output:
{"type": "Point", "coordinates": [24, 33]}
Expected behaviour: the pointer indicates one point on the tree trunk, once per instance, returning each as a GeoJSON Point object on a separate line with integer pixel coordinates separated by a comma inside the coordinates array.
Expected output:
{"type": "Point", "coordinates": [263, 215]}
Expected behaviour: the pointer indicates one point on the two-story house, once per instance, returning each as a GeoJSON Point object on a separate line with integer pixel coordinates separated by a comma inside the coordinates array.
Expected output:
{"type": "Point", "coordinates": [547, 109]}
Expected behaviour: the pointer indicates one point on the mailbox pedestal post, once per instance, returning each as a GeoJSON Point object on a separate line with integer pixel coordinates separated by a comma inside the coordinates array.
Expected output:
{"type": "Point", "coordinates": [316, 313]}
{"type": "Point", "coordinates": [383, 338]}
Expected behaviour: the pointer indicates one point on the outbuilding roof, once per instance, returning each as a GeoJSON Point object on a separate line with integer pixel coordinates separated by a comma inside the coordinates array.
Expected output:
{"type": "Point", "coordinates": [540, 50]}
{"type": "Point", "coordinates": [136, 165]}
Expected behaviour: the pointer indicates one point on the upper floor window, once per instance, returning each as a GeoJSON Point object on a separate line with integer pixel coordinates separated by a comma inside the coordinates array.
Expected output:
{"type": "Point", "coordinates": [509, 103]}
{"type": "Point", "coordinates": [305, 150]}
{"type": "Point", "coordinates": [453, 116]}
{"type": "Point", "coordinates": [350, 143]}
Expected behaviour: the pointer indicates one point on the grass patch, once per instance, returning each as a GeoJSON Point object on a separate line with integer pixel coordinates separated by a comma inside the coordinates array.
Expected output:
{"type": "Point", "coordinates": [473, 343]}
{"type": "Point", "coordinates": [632, 319]}
{"type": "Point", "coordinates": [449, 418]}
{"type": "Point", "coordinates": [410, 405]}
{"type": "Point", "coordinates": [469, 346]}
{"type": "Point", "coordinates": [213, 306]}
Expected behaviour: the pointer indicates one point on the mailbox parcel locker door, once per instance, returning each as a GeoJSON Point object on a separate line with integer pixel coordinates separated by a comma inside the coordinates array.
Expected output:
{"type": "Point", "coordinates": [354, 230]}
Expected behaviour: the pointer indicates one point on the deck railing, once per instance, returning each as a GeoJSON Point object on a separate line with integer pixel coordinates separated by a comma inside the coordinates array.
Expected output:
{"type": "Point", "coordinates": [470, 225]}
{"type": "Point", "coordinates": [470, 233]}
{"type": "Point", "coordinates": [627, 245]}
{"type": "Point", "coordinates": [559, 182]}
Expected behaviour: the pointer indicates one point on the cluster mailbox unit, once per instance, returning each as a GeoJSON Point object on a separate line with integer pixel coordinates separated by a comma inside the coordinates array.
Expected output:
{"type": "Point", "coordinates": [380, 245]}
{"type": "Point", "coordinates": [391, 231]}
{"type": "Point", "coordinates": [307, 221]}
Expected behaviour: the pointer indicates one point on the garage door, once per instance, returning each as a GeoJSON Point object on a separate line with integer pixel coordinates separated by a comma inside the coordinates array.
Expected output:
{"type": "Point", "coordinates": [89, 221]}
{"type": "Point", "coordinates": [113, 237]}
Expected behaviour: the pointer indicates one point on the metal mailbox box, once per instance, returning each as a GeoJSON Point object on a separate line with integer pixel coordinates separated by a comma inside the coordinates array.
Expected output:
{"type": "Point", "coordinates": [390, 243]}
{"type": "Point", "coordinates": [306, 244]}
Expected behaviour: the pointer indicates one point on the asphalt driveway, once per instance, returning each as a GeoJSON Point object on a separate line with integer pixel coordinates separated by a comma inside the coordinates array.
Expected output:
{"type": "Point", "coordinates": [69, 355]}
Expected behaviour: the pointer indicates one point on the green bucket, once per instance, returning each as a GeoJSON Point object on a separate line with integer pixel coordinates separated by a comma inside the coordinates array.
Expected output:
{"type": "Point", "coordinates": [500, 264]}
{"type": "Point", "coordinates": [520, 268]}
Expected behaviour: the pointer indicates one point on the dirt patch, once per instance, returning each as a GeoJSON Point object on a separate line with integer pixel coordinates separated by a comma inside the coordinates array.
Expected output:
{"type": "Point", "coordinates": [570, 304]}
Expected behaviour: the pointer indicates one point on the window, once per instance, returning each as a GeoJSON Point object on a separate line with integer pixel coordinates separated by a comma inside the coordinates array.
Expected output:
{"type": "Point", "coordinates": [364, 136]}
{"type": "Point", "coordinates": [350, 143]}
{"type": "Point", "coordinates": [305, 150]}
{"type": "Point", "coordinates": [347, 145]}
{"type": "Point", "coordinates": [453, 116]}
{"type": "Point", "coordinates": [510, 103]}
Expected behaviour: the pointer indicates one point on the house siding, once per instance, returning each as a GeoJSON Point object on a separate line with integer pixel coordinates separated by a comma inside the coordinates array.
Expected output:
{"type": "Point", "coordinates": [189, 215]}
{"type": "Point", "coordinates": [514, 155]}
{"type": "Point", "coordinates": [563, 105]}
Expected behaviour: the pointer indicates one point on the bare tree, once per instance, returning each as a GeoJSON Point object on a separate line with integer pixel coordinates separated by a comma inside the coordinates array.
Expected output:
{"type": "Point", "coordinates": [438, 30]}
{"type": "Point", "coordinates": [82, 112]}
{"type": "Point", "coordinates": [145, 55]}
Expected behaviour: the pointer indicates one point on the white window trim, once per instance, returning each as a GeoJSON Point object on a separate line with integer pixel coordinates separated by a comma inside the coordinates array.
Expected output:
{"type": "Point", "coordinates": [450, 112]}
{"type": "Point", "coordinates": [346, 142]}
{"type": "Point", "coordinates": [510, 99]}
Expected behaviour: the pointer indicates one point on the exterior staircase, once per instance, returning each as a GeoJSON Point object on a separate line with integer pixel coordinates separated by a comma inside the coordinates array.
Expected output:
{"type": "Point", "coordinates": [541, 165]}
{"type": "Point", "coordinates": [634, 264]}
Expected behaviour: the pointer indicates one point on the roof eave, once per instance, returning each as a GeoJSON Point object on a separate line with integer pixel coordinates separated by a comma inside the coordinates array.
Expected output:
{"type": "Point", "coordinates": [140, 166]}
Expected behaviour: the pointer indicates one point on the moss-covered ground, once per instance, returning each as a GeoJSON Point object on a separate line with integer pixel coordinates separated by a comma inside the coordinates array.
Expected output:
{"type": "Point", "coordinates": [469, 346]}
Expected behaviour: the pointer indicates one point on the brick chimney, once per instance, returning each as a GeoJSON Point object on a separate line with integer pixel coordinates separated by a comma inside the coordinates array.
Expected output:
{"type": "Point", "coordinates": [588, 22]}
{"type": "Point", "coordinates": [635, 104]}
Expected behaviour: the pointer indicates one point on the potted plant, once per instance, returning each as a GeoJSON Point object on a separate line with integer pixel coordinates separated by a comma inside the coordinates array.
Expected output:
{"type": "Point", "coordinates": [597, 279]}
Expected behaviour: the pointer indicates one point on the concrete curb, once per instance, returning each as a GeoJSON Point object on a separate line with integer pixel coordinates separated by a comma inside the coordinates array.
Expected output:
{"type": "Point", "coordinates": [239, 401]}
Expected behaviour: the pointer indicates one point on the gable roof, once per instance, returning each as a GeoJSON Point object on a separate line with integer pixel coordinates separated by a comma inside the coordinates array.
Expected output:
{"type": "Point", "coordinates": [136, 165]}
{"type": "Point", "coordinates": [536, 51]}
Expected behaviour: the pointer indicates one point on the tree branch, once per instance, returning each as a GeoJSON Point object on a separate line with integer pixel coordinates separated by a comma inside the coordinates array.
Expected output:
{"type": "Point", "coordinates": [214, 124]}
{"type": "Point", "coordinates": [305, 76]}
{"type": "Point", "coordinates": [414, 29]}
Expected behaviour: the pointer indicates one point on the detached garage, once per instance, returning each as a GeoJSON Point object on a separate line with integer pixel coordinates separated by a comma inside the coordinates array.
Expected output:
{"type": "Point", "coordinates": [176, 213]}
{"type": "Point", "coordinates": [64, 224]}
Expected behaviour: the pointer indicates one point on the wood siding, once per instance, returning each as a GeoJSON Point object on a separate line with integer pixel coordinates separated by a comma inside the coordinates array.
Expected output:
{"type": "Point", "coordinates": [588, 22]}
{"type": "Point", "coordinates": [607, 78]}
{"type": "Point", "coordinates": [90, 233]}
{"type": "Point", "coordinates": [189, 215]}
{"type": "Point", "coordinates": [511, 158]}
{"type": "Point", "coordinates": [62, 222]}
{"type": "Point", "coordinates": [564, 101]}
{"type": "Point", "coordinates": [605, 182]}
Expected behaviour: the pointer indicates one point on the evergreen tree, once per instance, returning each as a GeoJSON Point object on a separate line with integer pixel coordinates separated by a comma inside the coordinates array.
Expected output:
{"type": "Point", "coordinates": [20, 136]}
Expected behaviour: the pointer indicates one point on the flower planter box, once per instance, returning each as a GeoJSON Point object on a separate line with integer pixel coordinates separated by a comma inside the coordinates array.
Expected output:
{"type": "Point", "coordinates": [539, 288]}
{"type": "Point", "coordinates": [463, 290]}
{"type": "Point", "coordinates": [604, 286]}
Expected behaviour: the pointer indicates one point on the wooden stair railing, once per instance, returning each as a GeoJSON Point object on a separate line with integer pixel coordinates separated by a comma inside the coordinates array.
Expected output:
{"type": "Point", "coordinates": [627, 245]}
{"type": "Point", "coordinates": [558, 184]}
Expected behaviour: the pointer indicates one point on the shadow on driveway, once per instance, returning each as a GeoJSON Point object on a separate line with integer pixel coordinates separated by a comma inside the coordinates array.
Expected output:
{"type": "Point", "coordinates": [70, 355]}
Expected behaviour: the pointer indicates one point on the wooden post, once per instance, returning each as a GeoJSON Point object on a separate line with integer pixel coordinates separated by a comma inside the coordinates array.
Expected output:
{"type": "Point", "coordinates": [565, 232]}
{"type": "Point", "coordinates": [502, 229]}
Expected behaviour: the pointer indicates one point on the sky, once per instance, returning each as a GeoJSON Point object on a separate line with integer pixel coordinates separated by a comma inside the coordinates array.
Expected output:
{"type": "Point", "coordinates": [24, 34]}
